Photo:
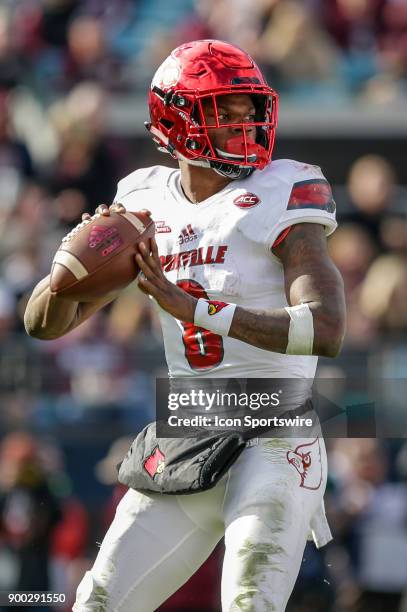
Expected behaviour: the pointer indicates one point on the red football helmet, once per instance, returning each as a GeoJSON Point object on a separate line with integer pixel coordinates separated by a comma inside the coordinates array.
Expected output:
{"type": "Point", "coordinates": [203, 70]}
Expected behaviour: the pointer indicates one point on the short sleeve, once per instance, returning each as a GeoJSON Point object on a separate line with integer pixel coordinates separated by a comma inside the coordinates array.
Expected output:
{"type": "Point", "coordinates": [308, 199]}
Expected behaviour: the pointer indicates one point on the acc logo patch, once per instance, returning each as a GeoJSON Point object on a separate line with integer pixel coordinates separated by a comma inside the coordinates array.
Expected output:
{"type": "Point", "coordinates": [155, 463]}
{"type": "Point", "coordinates": [247, 200]}
{"type": "Point", "coordinates": [306, 459]}
{"type": "Point", "coordinates": [313, 193]}
{"type": "Point", "coordinates": [215, 307]}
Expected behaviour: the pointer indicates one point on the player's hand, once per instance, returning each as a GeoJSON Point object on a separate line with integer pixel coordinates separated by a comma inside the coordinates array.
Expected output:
{"type": "Point", "coordinates": [105, 210]}
{"type": "Point", "coordinates": [102, 209]}
{"type": "Point", "coordinates": [152, 281]}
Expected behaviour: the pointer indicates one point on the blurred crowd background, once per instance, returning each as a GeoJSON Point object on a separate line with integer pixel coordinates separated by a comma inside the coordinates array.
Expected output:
{"type": "Point", "coordinates": [73, 78]}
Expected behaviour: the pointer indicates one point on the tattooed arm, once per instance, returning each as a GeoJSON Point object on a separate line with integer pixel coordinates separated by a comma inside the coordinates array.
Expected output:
{"type": "Point", "coordinates": [310, 276]}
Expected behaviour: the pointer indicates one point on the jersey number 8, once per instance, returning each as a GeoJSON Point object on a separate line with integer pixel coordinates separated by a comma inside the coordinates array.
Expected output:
{"type": "Point", "coordinates": [203, 349]}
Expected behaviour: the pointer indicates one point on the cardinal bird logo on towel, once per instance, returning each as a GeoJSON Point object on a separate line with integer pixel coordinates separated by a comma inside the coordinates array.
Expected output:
{"type": "Point", "coordinates": [155, 463]}
{"type": "Point", "coordinates": [215, 307]}
{"type": "Point", "coordinates": [306, 459]}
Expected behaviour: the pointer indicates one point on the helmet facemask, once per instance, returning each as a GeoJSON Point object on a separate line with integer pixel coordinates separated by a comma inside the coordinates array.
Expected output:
{"type": "Point", "coordinates": [245, 151]}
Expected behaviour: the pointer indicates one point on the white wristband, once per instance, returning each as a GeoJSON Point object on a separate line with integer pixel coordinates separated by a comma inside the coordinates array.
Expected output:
{"type": "Point", "coordinates": [214, 316]}
{"type": "Point", "coordinates": [301, 331]}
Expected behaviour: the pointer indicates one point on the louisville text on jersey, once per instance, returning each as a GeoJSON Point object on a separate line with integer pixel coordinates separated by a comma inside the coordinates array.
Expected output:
{"type": "Point", "coordinates": [194, 257]}
{"type": "Point", "coordinates": [313, 193]}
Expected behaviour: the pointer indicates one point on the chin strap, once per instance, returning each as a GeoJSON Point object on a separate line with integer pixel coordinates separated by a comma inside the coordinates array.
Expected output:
{"type": "Point", "coordinates": [203, 163]}
{"type": "Point", "coordinates": [248, 151]}
{"type": "Point", "coordinates": [236, 157]}
{"type": "Point", "coordinates": [231, 170]}
{"type": "Point", "coordinates": [237, 149]}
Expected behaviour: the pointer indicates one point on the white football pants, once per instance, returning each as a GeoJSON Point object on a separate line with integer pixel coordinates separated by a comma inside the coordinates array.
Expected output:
{"type": "Point", "coordinates": [267, 506]}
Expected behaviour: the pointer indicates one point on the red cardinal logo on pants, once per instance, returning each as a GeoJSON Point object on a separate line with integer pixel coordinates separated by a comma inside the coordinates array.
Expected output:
{"type": "Point", "coordinates": [215, 307]}
{"type": "Point", "coordinates": [306, 459]}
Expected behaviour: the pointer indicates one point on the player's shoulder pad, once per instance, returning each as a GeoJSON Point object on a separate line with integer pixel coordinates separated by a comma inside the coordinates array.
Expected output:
{"type": "Point", "coordinates": [287, 171]}
{"type": "Point", "coordinates": [307, 186]}
{"type": "Point", "coordinates": [292, 192]}
{"type": "Point", "coordinates": [155, 177]}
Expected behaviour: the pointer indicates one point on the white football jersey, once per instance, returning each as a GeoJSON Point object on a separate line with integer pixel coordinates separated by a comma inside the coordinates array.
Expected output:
{"type": "Point", "coordinates": [221, 249]}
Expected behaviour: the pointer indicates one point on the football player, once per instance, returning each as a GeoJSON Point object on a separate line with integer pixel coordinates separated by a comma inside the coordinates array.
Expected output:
{"type": "Point", "coordinates": [244, 286]}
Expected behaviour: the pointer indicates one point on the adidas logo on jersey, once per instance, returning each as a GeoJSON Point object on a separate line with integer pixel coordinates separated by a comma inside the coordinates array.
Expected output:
{"type": "Point", "coordinates": [187, 235]}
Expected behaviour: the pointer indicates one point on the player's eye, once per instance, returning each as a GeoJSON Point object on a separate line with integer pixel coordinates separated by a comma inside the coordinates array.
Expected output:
{"type": "Point", "coordinates": [225, 117]}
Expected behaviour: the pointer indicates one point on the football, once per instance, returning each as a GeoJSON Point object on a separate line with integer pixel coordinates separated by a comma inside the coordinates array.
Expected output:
{"type": "Point", "coordinates": [97, 257]}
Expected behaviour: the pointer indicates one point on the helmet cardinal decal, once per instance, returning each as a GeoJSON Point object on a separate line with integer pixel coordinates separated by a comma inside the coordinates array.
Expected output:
{"type": "Point", "coordinates": [167, 74]}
